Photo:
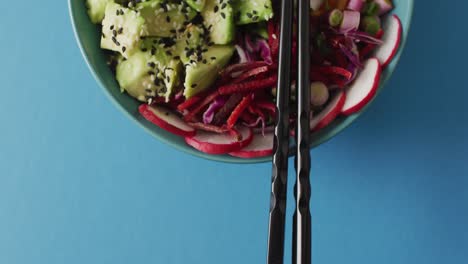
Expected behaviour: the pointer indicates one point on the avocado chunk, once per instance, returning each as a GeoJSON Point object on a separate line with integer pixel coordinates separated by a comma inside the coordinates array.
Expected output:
{"type": "Point", "coordinates": [164, 18]}
{"type": "Point", "coordinates": [252, 11]}
{"type": "Point", "coordinates": [151, 71]}
{"type": "Point", "coordinates": [97, 9]}
{"type": "Point", "coordinates": [218, 18]}
{"type": "Point", "coordinates": [196, 4]}
{"type": "Point", "coordinates": [201, 75]}
{"type": "Point", "coordinates": [121, 29]}
{"type": "Point", "coordinates": [192, 43]}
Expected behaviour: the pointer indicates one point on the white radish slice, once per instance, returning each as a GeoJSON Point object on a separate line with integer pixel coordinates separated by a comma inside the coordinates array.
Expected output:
{"type": "Point", "coordinates": [391, 40]}
{"type": "Point", "coordinates": [213, 143]}
{"type": "Point", "coordinates": [260, 146]}
{"type": "Point", "coordinates": [331, 111]}
{"type": "Point", "coordinates": [166, 120]}
{"type": "Point", "coordinates": [363, 89]}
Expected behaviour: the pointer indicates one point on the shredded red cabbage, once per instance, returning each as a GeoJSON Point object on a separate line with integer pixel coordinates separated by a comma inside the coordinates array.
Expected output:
{"type": "Point", "coordinates": [209, 114]}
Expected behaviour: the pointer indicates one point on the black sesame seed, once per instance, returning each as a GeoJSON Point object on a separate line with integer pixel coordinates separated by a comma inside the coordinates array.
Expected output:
{"type": "Point", "coordinates": [216, 8]}
{"type": "Point", "coordinates": [223, 5]}
{"type": "Point", "coordinates": [120, 31]}
{"type": "Point", "coordinates": [124, 49]}
{"type": "Point", "coordinates": [223, 15]}
{"type": "Point", "coordinates": [194, 85]}
{"type": "Point", "coordinates": [168, 19]}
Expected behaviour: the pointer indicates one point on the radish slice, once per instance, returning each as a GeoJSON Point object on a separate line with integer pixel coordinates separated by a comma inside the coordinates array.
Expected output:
{"type": "Point", "coordinates": [330, 112]}
{"type": "Point", "coordinates": [363, 89]}
{"type": "Point", "coordinates": [166, 120]}
{"type": "Point", "coordinates": [213, 143]}
{"type": "Point", "coordinates": [391, 40]}
{"type": "Point", "coordinates": [261, 146]}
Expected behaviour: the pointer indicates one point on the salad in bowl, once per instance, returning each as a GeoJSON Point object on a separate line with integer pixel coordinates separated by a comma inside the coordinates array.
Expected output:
{"type": "Point", "coordinates": [206, 70]}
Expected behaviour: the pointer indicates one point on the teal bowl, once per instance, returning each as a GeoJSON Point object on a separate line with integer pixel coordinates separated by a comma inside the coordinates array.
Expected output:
{"type": "Point", "coordinates": [87, 36]}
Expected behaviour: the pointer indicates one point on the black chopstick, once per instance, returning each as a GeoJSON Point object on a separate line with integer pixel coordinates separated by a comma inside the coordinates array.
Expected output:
{"type": "Point", "coordinates": [302, 219]}
{"type": "Point", "coordinates": [281, 140]}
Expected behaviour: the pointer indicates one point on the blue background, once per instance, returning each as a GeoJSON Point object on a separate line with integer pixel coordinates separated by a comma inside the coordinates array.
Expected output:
{"type": "Point", "coordinates": [80, 183]}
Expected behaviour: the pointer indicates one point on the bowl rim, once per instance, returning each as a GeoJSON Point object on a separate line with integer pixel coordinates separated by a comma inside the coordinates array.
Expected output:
{"type": "Point", "coordinates": [322, 136]}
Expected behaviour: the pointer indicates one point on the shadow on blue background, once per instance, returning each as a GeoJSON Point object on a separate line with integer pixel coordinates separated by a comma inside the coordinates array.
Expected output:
{"type": "Point", "coordinates": [79, 183]}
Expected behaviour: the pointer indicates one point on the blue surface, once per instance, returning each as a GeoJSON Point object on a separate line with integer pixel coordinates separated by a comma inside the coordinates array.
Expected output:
{"type": "Point", "coordinates": [80, 183]}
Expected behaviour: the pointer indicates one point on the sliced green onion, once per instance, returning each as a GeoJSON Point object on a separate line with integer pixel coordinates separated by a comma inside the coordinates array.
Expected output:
{"type": "Point", "coordinates": [335, 18]}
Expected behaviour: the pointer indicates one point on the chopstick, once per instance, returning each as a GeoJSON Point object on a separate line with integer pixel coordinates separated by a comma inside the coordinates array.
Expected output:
{"type": "Point", "coordinates": [281, 140]}
{"type": "Point", "coordinates": [302, 190]}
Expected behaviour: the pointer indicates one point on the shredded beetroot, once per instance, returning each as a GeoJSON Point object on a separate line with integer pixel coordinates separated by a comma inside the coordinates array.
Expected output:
{"type": "Point", "coordinates": [200, 107]}
{"type": "Point", "coordinates": [232, 120]}
{"type": "Point", "coordinates": [209, 128]}
{"type": "Point", "coordinates": [251, 73]}
{"type": "Point", "coordinates": [269, 106]}
{"type": "Point", "coordinates": [249, 86]}
{"type": "Point", "coordinates": [188, 103]}
{"type": "Point", "coordinates": [242, 67]}
{"type": "Point", "coordinates": [334, 70]}
{"type": "Point", "coordinates": [247, 117]}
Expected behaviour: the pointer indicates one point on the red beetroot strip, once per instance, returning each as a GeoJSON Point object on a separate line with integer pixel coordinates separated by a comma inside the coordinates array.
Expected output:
{"type": "Point", "coordinates": [200, 107]}
{"type": "Point", "coordinates": [188, 103]}
{"type": "Point", "coordinates": [241, 67]}
{"type": "Point", "coordinates": [249, 86]}
{"type": "Point", "coordinates": [209, 128]}
{"type": "Point", "coordinates": [251, 73]}
{"type": "Point", "coordinates": [231, 122]}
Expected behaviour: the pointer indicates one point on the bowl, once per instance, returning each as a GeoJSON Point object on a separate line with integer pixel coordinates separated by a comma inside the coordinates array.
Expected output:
{"type": "Point", "coordinates": [87, 35]}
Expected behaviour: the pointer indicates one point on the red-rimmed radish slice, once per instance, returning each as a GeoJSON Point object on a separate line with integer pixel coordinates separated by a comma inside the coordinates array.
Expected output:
{"type": "Point", "coordinates": [363, 89]}
{"type": "Point", "coordinates": [260, 146]}
{"type": "Point", "coordinates": [166, 120]}
{"type": "Point", "coordinates": [331, 111]}
{"type": "Point", "coordinates": [391, 40]}
{"type": "Point", "coordinates": [213, 143]}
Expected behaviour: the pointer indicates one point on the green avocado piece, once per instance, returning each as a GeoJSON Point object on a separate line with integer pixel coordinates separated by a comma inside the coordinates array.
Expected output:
{"type": "Point", "coordinates": [121, 29]}
{"type": "Point", "coordinates": [191, 43]}
{"type": "Point", "coordinates": [252, 11]}
{"type": "Point", "coordinates": [97, 9]}
{"type": "Point", "coordinates": [196, 4]}
{"type": "Point", "coordinates": [151, 71]}
{"type": "Point", "coordinates": [201, 75]}
{"type": "Point", "coordinates": [218, 18]}
{"type": "Point", "coordinates": [164, 18]}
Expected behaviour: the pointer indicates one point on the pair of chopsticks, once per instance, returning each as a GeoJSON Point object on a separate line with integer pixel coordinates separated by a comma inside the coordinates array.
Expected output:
{"type": "Point", "coordinates": [302, 219]}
